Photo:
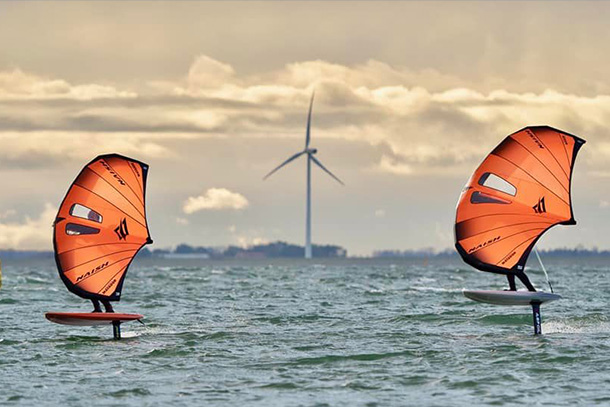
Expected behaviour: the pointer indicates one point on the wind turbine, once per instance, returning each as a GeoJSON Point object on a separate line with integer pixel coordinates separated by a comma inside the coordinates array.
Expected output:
{"type": "Point", "coordinates": [310, 157]}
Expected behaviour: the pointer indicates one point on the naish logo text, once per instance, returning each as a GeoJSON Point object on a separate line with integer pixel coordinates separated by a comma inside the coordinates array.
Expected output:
{"type": "Point", "coordinates": [135, 169]}
{"type": "Point", "coordinates": [121, 230]}
{"type": "Point", "coordinates": [540, 207]}
{"type": "Point", "coordinates": [108, 286]}
{"type": "Point", "coordinates": [535, 139]}
{"type": "Point", "coordinates": [507, 258]}
{"type": "Point", "coordinates": [111, 171]}
{"type": "Point", "coordinates": [482, 245]}
{"type": "Point", "coordinates": [92, 272]}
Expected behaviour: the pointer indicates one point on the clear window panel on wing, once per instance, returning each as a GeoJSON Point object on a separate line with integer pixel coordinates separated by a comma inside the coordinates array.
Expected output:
{"type": "Point", "coordinates": [479, 198]}
{"type": "Point", "coordinates": [493, 181]}
{"type": "Point", "coordinates": [74, 229]}
{"type": "Point", "coordinates": [81, 211]}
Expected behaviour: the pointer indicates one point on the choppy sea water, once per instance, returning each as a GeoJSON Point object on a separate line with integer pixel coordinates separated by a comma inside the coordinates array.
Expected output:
{"type": "Point", "coordinates": [295, 333]}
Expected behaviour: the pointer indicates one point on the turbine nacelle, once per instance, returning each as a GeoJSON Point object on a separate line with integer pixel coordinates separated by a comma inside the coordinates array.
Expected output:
{"type": "Point", "coordinates": [311, 150]}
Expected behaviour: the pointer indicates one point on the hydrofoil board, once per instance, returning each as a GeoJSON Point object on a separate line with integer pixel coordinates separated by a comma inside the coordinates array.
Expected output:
{"type": "Point", "coordinates": [510, 297]}
{"type": "Point", "coordinates": [90, 318]}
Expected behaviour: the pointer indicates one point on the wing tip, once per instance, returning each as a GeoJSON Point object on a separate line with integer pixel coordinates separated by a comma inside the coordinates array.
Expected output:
{"type": "Point", "coordinates": [144, 166]}
{"type": "Point", "coordinates": [578, 139]}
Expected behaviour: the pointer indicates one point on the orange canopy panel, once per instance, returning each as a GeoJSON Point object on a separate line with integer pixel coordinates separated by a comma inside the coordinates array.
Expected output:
{"type": "Point", "coordinates": [101, 226]}
{"type": "Point", "coordinates": [519, 191]}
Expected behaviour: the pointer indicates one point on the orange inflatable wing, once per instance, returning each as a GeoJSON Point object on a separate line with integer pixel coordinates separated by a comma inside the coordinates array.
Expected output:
{"type": "Point", "coordinates": [519, 191]}
{"type": "Point", "coordinates": [101, 226]}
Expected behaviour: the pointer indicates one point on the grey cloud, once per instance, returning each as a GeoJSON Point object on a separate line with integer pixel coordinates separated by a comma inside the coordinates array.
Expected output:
{"type": "Point", "coordinates": [428, 131]}
{"type": "Point", "coordinates": [29, 161]}
{"type": "Point", "coordinates": [518, 46]}
{"type": "Point", "coordinates": [112, 124]}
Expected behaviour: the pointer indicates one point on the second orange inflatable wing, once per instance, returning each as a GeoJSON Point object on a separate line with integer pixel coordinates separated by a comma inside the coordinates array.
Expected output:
{"type": "Point", "coordinates": [519, 191]}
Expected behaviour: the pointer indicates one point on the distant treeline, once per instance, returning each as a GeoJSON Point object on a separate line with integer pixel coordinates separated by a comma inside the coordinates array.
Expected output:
{"type": "Point", "coordinates": [423, 253]}
{"type": "Point", "coordinates": [447, 253]}
{"type": "Point", "coordinates": [270, 250]}
{"type": "Point", "coordinates": [287, 250]}
{"type": "Point", "coordinates": [578, 251]}
{"type": "Point", "coordinates": [24, 254]}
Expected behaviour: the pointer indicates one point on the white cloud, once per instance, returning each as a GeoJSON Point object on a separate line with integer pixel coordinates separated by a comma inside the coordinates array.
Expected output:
{"type": "Point", "coordinates": [32, 146]}
{"type": "Point", "coordinates": [207, 72]}
{"type": "Point", "coordinates": [17, 84]}
{"type": "Point", "coordinates": [215, 199]}
{"type": "Point", "coordinates": [31, 234]}
{"type": "Point", "coordinates": [182, 221]}
{"type": "Point", "coordinates": [8, 213]}
{"type": "Point", "coordinates": [424, 128]}
{"type": "Point", "coordinates": [259, 240]}
{"type": "Point", "coordinates": [393, 167]}
{"type": "Point", "coordinates": [247, 241]}
{"type": "Point", "coordinates": [428, 128]}
{"type": "Point", "coordinates": [249, 237]}
{"type": "Point", "coordinates": [380, 213]}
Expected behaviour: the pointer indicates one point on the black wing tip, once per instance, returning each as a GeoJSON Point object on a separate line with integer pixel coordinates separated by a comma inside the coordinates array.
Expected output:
{"type": "Point", "coordinates": [124, 157]}
{"type": "Point", "coordinates": [479, 265]}
{"type": "Point", "coordinates": [547, 127]}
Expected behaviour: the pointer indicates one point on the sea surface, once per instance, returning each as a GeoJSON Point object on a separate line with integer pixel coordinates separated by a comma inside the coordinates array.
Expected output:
{"type": "Point", "coordinates": [319, 333]}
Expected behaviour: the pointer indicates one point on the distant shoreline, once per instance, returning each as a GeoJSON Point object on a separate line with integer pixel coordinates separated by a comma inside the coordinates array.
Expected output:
{"type": "Point", "coordinates": [282, 250]}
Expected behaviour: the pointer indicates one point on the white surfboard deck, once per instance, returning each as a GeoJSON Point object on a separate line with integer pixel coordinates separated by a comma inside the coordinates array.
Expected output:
{"type": "Point", "coordinates": [510, 297]}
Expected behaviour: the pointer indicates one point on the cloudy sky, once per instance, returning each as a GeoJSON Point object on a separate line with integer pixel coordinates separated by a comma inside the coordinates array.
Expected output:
{"type": "Point", "coordinates": [410, 97]}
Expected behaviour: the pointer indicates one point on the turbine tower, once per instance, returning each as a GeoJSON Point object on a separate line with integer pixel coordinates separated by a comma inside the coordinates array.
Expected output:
{"type": "Point", "coordinates": [310, 157]}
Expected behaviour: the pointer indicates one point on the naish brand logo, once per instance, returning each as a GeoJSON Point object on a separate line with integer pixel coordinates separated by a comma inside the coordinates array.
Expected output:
{"type": "Point", "coordinates": [111, 171]}
{"type": "Point", "coordinates": [92, 272]}
{"type": "Point", "coordinates": [535, 139]}
{"type": "Point", "coordinates": [540, 207]}
{"type": "Point", "coordinates": [121, 230]}
{"type": "Point", "coordinates": [110, 284]}
{"type": "Point", "coordinates": [507, 258]}
{"type": "Point", "coordinates": [482, 245]}
{"type": "Point", "coordinates": [135, 169]}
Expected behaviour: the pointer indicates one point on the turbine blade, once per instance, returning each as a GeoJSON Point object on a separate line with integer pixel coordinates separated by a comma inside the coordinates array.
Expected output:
{"type": "Point", "coordinates": [308, 134]}
{"type": "Point", "coordinates": [315, 160]}
{"type": "Point", "coordinates": [294, 157]}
